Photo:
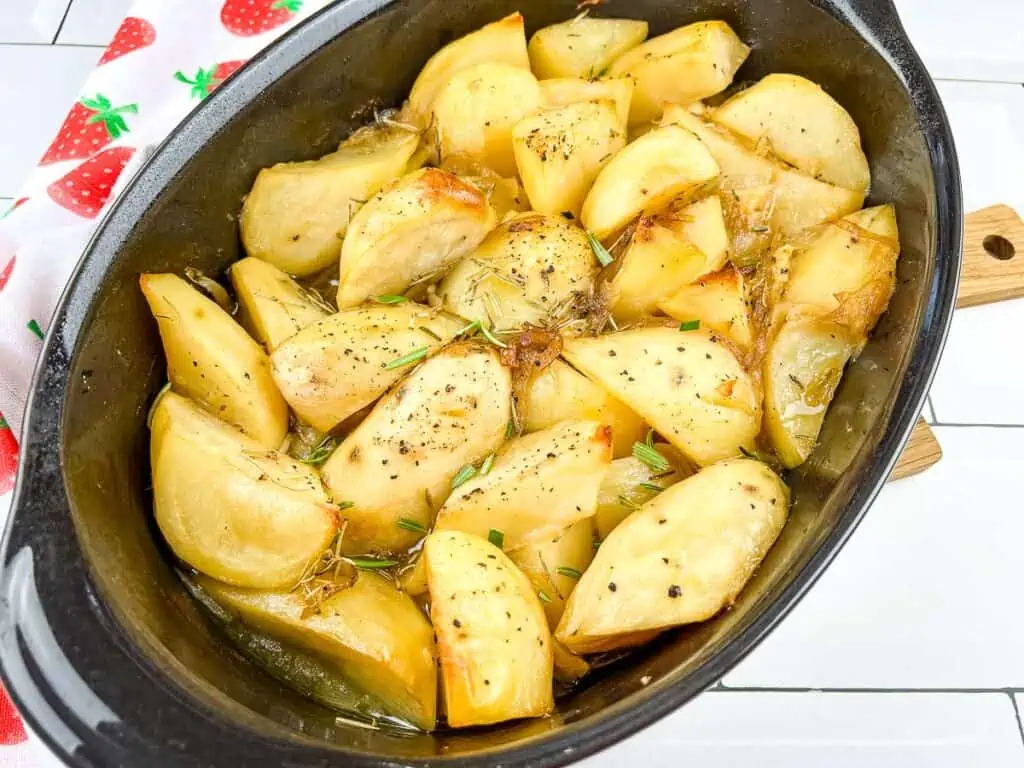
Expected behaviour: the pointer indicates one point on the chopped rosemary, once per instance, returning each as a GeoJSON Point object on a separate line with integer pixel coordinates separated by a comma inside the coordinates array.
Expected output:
{"type": "Point", "coordinates": [565, 570]}
{"type": "Point", "coordinates": [430, 333]}
{"type": "Point", "coordinates": [344, 504]}
{"type": "Point", "coordinates": [510, 429]}
{"type": "Point", "coordinates": [653, 487]}
{"type": "Point", "coordinates": [463, 475]}
{"type": "Point", "coordinates": [689, 325]}
{"type": "Point", "coordinates": [319, 454]}
{"type": "Point", "coordinates": [486, 466]}
{"type": "Point", "coordinates": [628, 503]}
{"type": "Point", "coordinates": [491, 337]}
{"type": "Point", "coordinates": [411, 525]}
{"type": "Point", "coordinates": [649, 455]}
{"type": "Point", "coordinates": [371, 563]}
{"type": "Point", "coordinates": [389, 298]}
{"type": "Point", "coordinates": [599, 250]}
{"type": "Point", "coordinates": [470, 329]}
{"type": "Point", "coordinates": [413, 357]}
{"type": "Point", "coordinates": [543, 596]}
{"type": "Point", "coordinates": [496, 537]}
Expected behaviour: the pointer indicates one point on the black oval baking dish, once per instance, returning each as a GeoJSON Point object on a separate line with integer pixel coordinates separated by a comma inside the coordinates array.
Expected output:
{"type": "Point", "coordinates": [109, 659]}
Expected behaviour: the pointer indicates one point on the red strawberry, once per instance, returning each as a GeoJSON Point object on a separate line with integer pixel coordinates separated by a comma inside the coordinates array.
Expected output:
{"type": "Point", "coordinates": [5, 273]}
{"type": "Point", "coordinates": [8, 469]}
{"type": "Point", "coordinates": [91, 124]}
{"type": "Point", "coordinates": [133, 34]}
{"type": "Point", "coordinates": [253, 17]}
{"type": "Point", "coordinates": [84, 190]}
{"type": "Point", "coordinates": [205, 80]}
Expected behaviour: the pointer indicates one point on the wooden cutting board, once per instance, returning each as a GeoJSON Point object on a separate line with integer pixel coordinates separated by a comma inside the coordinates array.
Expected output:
{"type": "Point", "coordinates": [993, 270]}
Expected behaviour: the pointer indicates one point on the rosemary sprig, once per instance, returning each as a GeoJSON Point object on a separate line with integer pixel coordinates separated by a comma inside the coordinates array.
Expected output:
{"type": "Point", "coordinates": [565, 570]}
{"type": "Point", "coordinates": [411, 525]}
{"type": "Point", "coordinates": [599, 250]}
{"type": "Point", "coordinates": [413, 357]}
{"type": "Point", "coordinates": [649, 455]}
{"type": "Point", "coordinates": [464, 475]}
{"type": "Point", "coordinates": [496, 537]}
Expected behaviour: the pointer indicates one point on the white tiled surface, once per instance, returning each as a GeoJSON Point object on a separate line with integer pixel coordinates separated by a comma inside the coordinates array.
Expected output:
{"type": "Point", "coordinates": [927, 593]}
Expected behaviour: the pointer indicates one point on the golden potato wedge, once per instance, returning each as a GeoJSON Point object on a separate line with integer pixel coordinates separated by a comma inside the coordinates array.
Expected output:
{"type": "Point", "coordinates": [538, 485]}
{"type": "Point", "coordinates": [780, 264]}
{"type": "Point", "coordinates": [493, 638]}
{"type": "Point", "coordinates": [500, 42]}
{"type": "Point", "coordinates": [563, 91]}
{"type": "Point", "coordinates": [506, 196]}
{"type": "Point", "coordinates": [399, 462]}
{"type": "Point", "coordinates": [802, 368]}
{"type": "Point", "coordinates": [667, 251]}
{"type": "Point", "coordinates": [560, 151]}
{"type": "Point", "coordinates": [475, 111]}
{"type": "Point", "coordinates": [583, 47]}
{"type": "Point", "coordinates": [372, 633]}
{"type": "Point", "coordinates": [560, 393]}
{"type": "Point", "coordinates": [685, 65]}
{"type": "Point", "coordinates": [680, 558]}
{"type": "Point", "coordinates": [645, 176]}
{"type": "Point", "coordinates": [630, 483]}
{"type": "Point", "coordinates": [418, 227]}
{"type": "Point", "coordinates": [802, 125]}
{"type": "Point", "coordinates": [555, 564]}
{"type": "Point", "coordinates": [212, 359]}
{"type": "Point", "coordinates": [296, 214]}
{"type": "Point", "coordinates": [230, 507]}
{"type": "Point", "coordinates": [569, 668]}
{"type": "Point", "coordinates": [332, 369]}
{"type": "Point", "coordinates": [527, 270]}
{"type": "Point", "coordinates": [687, 385]}
{"type": "Point", "coordinates": [272, 306]}
{"type": "Point", "coordinates": [719, 301]}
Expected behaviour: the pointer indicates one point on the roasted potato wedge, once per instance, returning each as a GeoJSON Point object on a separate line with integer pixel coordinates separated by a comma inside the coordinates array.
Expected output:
{"type": "Point", "coordinates": [555, 564]}
{"type": "Point", "coordinates": [418, 227]}
{"type": "Point", "coordinates": [272, 306]}
{"type": "Point", "coordinates": [371, 632]}
{"type": "Point", "coordinates": [629, 484]}
{"type": "Point", "coordinates": [560, 151]}
{"type": "Point", "coordinates": [337, 366]}
{"type": "Point", "coordinates": [562, 91]}
{"type": "Point", "coordinates": [492, 635]}
{"type": "Point", "coordinates": [719, 301]}
{"type": "Point", "coordinates": [212, 359]}
{"type": "Point", "coordinates": [560, 393]}
{"type": "Point", "coordinates": [802, 125]}
{"type": "Point", "coordinates": [506, 195]}
{"type": "Point", "coordinates": [583, 47]}
{"type": "Point", "coordinates": [296, 214]}
{"type": "Point", "coordinates": [646, 176]}
{"type": "Point", "coordinates": [668, 250]}
{"type": "Point", "coordinates": [475, 111]}
{"type": "Point", "coordinates": [688, 385]}
{"type": "Point", "coordinates": [400, 461]}
{"type": "Point", "coordinates": [230, 507]}
{"type": "Point", "coordinates": [685, 65]}
{"type": "Point", "coordinates": [680, 558]}
{"type": "Point", "coordinates": [539, 485]}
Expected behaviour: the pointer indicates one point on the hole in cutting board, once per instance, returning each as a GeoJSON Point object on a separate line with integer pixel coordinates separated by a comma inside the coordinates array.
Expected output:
{"type": "Point", "coordinates": [998, 247]}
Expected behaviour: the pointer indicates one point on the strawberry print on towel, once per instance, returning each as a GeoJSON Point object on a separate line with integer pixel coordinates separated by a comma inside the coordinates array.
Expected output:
{"type": "Point", "coordinates": [85, 189]}
{"type": "Point", "coordinates": [133, 35]}
{"type": "Point", "coordinates": [205, 80]}
{"type": "Point", "coordinates": [90, 125]}
{"type": "Point", "coordinates": [254, 17]}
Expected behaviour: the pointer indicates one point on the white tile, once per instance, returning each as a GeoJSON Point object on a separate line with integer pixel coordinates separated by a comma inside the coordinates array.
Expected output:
{"type": "Point", "coordinates": [980, 40]}
{"type": "Point", "coordinates": [926, 592]}
{"type": "Point", "coordinates": [838, 730]}
{"type": "Point", "coordinates": [43, 100]}
{"type": "Point", "coordinates": [30, 21]}
{"type": "Point", "coordinates": [93, 22]}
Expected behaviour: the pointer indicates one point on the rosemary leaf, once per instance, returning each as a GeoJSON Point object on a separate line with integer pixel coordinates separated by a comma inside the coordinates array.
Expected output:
{"type": "Point", "coordinates": [389, 298]}
{"type": "Point", "coordinates": [413, 357]}
{"type": "Point", "coordinates": [650, 456]}
{"type": "Point", "coordinates": [463, 475]}
{"type": "Point", "coordinates": [543, 596]}
{"type": "Point", "coordinates": [319, 454]}
{"type": "Point", "coordinates": [430, 333]}
{"type": "Point", "coordinates": [689, 325]}
{"type": "Point", "coordinates": [344, 504]}
{"type": "Point", "coordinates": [486, 466]}
{"type": "Point", "coordinates": [411, 525]}
{"type": "Point", "coordinates": [652, 487]}
{"type": "Point", "coordinates": [370, 563]}
{"type": "Point", "coordinates": [496, 537]}
{"type": "Point", "coordinates": [491, 337]}
{"type": "Point", "coordinates": [599, 250]}
{"type": "Point", "coordinates": [565, 570]}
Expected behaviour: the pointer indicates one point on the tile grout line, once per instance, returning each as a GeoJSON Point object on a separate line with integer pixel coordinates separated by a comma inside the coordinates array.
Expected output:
{"type": "Point", "coordinates": [67, 10]}
{"type": "Point", "coordinates": [1016, 711]}
{"type": "Point", "coordinates": [18, 44]}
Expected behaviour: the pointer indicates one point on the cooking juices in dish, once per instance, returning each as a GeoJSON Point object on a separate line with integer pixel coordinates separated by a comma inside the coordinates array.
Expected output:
{"type": "Point", "coordinates": [572, 325]}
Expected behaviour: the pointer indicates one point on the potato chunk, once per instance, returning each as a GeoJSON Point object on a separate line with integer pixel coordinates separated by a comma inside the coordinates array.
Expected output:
{"type": "Point", "coordinates": [583, 47]}
{"type": "Point", "coordinates": [371, 632]}
{"type": "Point", "coordinates": [682, 557]}
{"type": "Point", "coordinates": [400, 461]}
{"type": "Point", "coordinates": [229, 507]}
{"type": "Point", "coordinates": [273, 306]}
{"type": "Point", "coordinates": [555, 564]}
{"type": "Point", "coordinates": [420, 226]}
{"type": "Point", "coordinates": [212, 359]}
{"type": "Point", "coordinates": [337, 366]}
{"type": "Point", "coordinates": [719, 302]}
{"type": "Point", "coordinates": [493, 638]}
{"type": "Point", "coordinates": [562, 91]}
{"type": "Point", "coordinates": [645, 176]}
{"type": "Point", "coordinates": [685, 65]}
{"type": "Point", "coordinates": [688, 385]}
{"type": "Point", "coordinates": [630, 483]}
{"type": "Point", "coordinates": [296, 214]}
{"type": "Point", "coordinates": [802, 125]}
{"type": "Point", "coordinates": [560, 151]}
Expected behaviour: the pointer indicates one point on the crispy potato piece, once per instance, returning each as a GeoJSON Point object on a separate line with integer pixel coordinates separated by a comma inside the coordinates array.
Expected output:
{"type": "Point", "coordinates": [555, 564]}
{"type": "Point", "coordinates": [539, 484]}
{"type": "Point", "coordinates": [645, 176]}
{"type": "Point", "coordinates": [212, 359]}
{"type": "Point", "coordinates": [685, 65]}
{"type": "Point", "coordinates": [476, 110]}
{"type": "Point", "coordinates": [687, 385]}
{"type": "Point", "coordinates": [562, 91]}
{"type": "Point", "coordinates": [583, 47]}
{"type": "Point", "coordinates": [500, 42]}
{"type": "Point", "coordinates": [682, 557]}
{"type": "Point", "coordinates": [559, 393]}
{"type": "Point", "coordinates": [493, 638]}
{"type": "Point", "coordinates": [628, 484]}
{"type": "Point", "coordinates": [372, 633]}
{"type": "Point", "coordinates": [331, 369]}
{"type": "Point", "coordinates": [560, 151]}
{"type": "Point", "coordinates": [719, 301]}
{"type": "Point", "coordinates": [296, 214]}
{"type": "Point", "coordinates": [273, 307]}
{"type": "Point", "coordinates": [230, 507]}
{"type": "Point", "coordinates": [667, 251]}
{"type": "Point", "coordinates": [400, 461]}
{"type": "Point", "coordinates": [527, 270]}
{"type": "Point", "coordinates": [569, 668]}
{"type": "Point", "coordinates": [420, 226]}
{"type": "Point", "coordinates": [802, 125]}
